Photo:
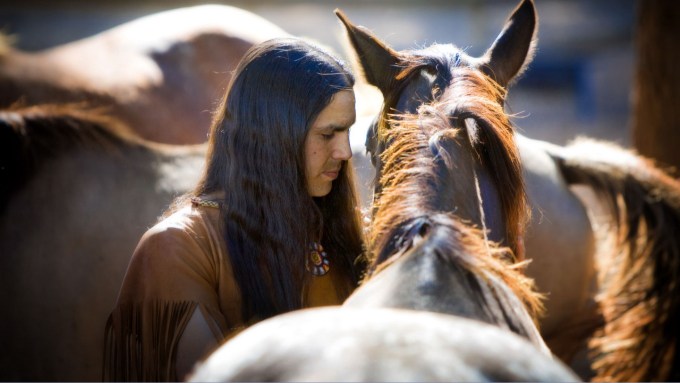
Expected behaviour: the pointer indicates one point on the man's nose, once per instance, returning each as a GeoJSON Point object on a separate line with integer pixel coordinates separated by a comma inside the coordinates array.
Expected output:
{"type": "Point", "coordinates": [343, 151]}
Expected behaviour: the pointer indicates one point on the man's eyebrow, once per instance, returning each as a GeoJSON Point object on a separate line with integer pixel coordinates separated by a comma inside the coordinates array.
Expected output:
{"type": "Point", "coordinates": [336, 128]}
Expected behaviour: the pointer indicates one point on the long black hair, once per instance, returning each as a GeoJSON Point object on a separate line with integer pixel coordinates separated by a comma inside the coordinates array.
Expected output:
{"type": "Point", "coordinates": [256, 156]}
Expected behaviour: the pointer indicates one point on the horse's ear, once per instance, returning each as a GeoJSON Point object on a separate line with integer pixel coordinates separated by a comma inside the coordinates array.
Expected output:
{"type": "Point", "coordinates": [377, 60]}
{"type": "Point", "coordinates": [514, 47]}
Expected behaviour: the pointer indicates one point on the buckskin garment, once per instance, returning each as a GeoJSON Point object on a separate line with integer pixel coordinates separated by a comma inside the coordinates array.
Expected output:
{"type": "Point", "coordinates": [180, 265]}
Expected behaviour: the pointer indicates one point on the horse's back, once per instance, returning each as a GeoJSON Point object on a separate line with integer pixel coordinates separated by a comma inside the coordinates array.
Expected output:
{"type": "Point", "coordinates": [345, 344]}
{"type": "Point", "coordinates": [66, 236]}
{"type": "Point", "coordinates": [162, 74]}
{"type": "Point", "coordinates": [176, 24]}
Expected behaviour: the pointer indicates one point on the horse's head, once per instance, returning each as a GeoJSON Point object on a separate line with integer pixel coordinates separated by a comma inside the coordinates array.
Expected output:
{"type": "Point", "coordinates": [423, 256]}
{"type": "Point", "coordinates": [474, 88]}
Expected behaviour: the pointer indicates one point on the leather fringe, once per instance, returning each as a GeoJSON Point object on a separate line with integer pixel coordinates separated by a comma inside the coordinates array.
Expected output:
{"type": "Point", "coordinates": [141, 340]}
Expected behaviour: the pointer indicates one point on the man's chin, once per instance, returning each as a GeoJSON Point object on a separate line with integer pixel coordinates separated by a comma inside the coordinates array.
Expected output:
{"type": "Point", "coordinates": [321, 191]}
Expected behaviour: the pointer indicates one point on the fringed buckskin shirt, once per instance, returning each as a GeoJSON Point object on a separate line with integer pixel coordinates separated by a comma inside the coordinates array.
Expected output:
{"type": "Point", "coordinates": [180, 265]}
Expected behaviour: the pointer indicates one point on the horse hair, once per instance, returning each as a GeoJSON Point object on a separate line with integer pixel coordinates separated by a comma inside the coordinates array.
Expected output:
{"type": "Point", "coordinates": [641, 299]}
{"type": "Point", "coordinates": [411, 178]}
{"type": "Point", "coordinates": [471, 94]}
{"type": "Point", "coordinates": [494, 282]}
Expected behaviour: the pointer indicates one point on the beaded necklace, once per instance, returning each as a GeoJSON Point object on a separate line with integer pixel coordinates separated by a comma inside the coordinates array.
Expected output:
{"type": "Point", "coordinates": [317, 260]}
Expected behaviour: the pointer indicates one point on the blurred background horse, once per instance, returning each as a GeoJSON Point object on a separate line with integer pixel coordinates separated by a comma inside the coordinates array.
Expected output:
{"type": "Point", "coordinates": [641, 268]}
{"type": "Point", "coordinates": [79, 188]}
{"type": "Point", "coordinates": [161, 74]}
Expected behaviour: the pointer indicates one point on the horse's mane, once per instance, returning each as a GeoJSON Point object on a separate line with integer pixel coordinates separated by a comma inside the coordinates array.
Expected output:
{"type": "Point", "coordinates": [411, 176]}
{"type": "Point", "coordinates": [471, 94]}
{"type": "Point", "coordinates": [31, 135]}
{"type": "Point", "coordinates": [641, 295]}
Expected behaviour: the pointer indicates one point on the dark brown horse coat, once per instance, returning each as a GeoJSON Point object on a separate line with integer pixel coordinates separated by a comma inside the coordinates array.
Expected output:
{"type": "Point", "coordinates": [161, 74]}
{"type": "Point", "coordinates": [77, 194]}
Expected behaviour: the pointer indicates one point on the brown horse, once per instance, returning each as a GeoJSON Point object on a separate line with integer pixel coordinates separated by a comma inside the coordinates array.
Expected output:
{"type": "Point", "coordinates": [440, 302]}
{"type": "Point", "coordinates": [161, 74]}
{"type": "Point", "coordinates": [77, 192]}
{"type": "Point", "coordinates": [631, 287]}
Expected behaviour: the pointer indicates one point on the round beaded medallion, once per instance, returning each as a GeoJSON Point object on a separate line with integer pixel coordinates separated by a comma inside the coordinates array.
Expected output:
{"type": "Point", "coordinates": [317, 260]}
